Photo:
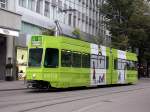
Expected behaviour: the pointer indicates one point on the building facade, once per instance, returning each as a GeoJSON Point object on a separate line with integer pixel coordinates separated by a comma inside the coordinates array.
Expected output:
{"type": "Point", "coordinates": [38, 15]}
{"type": "Point", "coordinates": [42, 14]}
{"type": "Point", "coordinates": [10, 25]}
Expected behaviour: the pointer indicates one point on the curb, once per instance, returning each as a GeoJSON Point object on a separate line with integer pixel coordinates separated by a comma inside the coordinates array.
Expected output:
{"type": "Point", "coordinates": [13, 89]}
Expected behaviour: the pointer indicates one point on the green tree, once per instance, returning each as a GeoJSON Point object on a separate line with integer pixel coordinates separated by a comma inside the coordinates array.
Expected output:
{"type": "Point", "coordinates": [49, 32]}
{"type": "Point", "coordinates": [76, 32]}
{"type": "Point", "coordinates": [128, 25]}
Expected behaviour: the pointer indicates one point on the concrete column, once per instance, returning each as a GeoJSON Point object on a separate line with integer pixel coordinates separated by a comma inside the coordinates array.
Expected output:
{"type": "Point", "coordinates": [10, 58]}
{"type": "Point", "coordinates": [43, 7]}
{"type": "Point", "coordinates": [9, 44]}
{"type": "Point", "coordinates": [35, 5]}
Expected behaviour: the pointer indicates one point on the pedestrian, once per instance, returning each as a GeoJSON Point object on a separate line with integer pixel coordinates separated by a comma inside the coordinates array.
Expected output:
{"type": "Point", "coordinates": [17, 69]}
{"type": "Point", "coordinates": [23, 75]}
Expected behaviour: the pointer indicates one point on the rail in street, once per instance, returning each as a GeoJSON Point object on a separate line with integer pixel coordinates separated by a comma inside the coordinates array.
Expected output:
{"type": "Point", "coordinates": [78, 100]}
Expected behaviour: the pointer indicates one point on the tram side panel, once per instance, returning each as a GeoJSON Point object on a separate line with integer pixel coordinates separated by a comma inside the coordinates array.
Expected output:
{"type": "Point", "coordinates": [132, 74]}
{"type": "Point", "coordinates": [73, 72]}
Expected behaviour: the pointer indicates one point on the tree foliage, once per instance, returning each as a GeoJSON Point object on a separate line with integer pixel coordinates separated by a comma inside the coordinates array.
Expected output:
{"type": "Point", "coordinates": [49, 32]}
{"type": "Point", "coordinates": [128, 24]}
{"type": "Point", "coordinates": [76, 32]}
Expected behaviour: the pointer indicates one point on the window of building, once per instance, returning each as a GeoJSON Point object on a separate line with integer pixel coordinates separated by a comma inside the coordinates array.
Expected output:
{"type": "Point", "coordinates": [60, 5]}
{"type": "Point", "coordinates": [69, 19]}
{"type": "Point", "coordinates": [47, 9]}
{"type": "Point", "coordinates": [39, 6]}
{"type": "Point", "coordinates": [90, 6]}
{"type": "Point", "coordinates": [65, 58]}
{"type": "Point", "coordinates": [93, 24]}
{"type": "Point", "coordinates": [90, 21]}
{"type": "Point", "coordinates": [87, 3]}
{"type": "Point", "coordinates": [83, 2]}
{"type": "Point", "coordinates": [94, 5]}
{"type": "Point", "coordinates": [31, 4]}
{"type": "Point", "coordinates": [51, 58]}
{"type": "Point", "coordinates": [54, 4]}
{"type": "Point", "coordinates": [65, 6]}
{"type": "Point", "coordinates": [22, 3]}
{"type": "Point", "coordinates": [79, 14]}
{"type": "Point", "coordinates": [74, 21]}
{"type": "Point", "coordinates": [83, 17]}
{"type": "Point", "coordinates": [87, 19]}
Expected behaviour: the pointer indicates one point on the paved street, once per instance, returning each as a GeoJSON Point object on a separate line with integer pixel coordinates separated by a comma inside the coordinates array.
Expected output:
{"type": "Point", "coordinates": [131, 98]}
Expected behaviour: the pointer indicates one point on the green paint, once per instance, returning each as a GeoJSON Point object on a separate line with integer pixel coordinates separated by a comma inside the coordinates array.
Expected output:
{"type": "Point", "coordinates": [114, 71]}
{"type": "Point", "coordinates": [63, 77]}
{"type": "Point", "coordinates": [36, 40]}
{"type": "Point", "coordinates": [131, 74]}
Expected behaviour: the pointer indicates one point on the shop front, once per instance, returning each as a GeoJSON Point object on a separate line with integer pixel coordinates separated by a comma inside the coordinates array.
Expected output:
{"type": "Point", "coordinates": [10, 24]}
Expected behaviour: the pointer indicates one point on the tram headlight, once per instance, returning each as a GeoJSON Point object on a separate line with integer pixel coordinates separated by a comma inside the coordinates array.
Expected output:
{"type": "Point", "coordinates": [33, 76]}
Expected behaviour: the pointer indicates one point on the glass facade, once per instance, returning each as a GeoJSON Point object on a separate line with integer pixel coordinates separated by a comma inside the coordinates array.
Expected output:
{"type": "Point", "coordinates": [27, 28]}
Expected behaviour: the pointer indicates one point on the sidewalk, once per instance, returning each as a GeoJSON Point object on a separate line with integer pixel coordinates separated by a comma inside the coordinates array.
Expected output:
{"type": "Point", "coordinates": [12, 85]}
{"type": "Point", "coordinates": [144, 80]}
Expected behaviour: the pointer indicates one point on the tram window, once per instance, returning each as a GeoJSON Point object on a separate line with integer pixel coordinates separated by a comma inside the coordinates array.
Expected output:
{"type": "Point", "coordinates": [94, 59]}
{"type": "Point", "coordinates": [107, 62]}
{"type": "Point", "coordinates": [101, 62]}
{"type": "Point", "coordinates": [35, 57]}
{"type": "Point", "coordinates": [66, 58]}
{"type": "Point", "coordinates": [76, 60]}
{"type": "Point", "coordinates": [123, 66]}
{"type": "Point", "coordinates": [51, 58]}
{"type": "Point", "coordinates": [131, 65]}
{"type": "Point", "coordinates": [94, 63]}
{"type": "Point", "coordinates": [115, 64]}
{"type": "Point", "coordinates": [120, 64]}
{"type": "Point", "coordinates": [94, 56]}
{"type": "Point", "coordinates": [85, 61]}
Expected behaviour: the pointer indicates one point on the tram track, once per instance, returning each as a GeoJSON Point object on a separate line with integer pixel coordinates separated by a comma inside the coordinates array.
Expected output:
{"type": "Point", "coordinates": [66, 99]}
{"type": "Point", "coordinates": [82, 98]}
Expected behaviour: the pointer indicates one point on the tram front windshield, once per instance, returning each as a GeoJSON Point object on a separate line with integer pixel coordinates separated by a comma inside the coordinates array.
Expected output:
{"type": "Point", "coordinates": [35, 57]}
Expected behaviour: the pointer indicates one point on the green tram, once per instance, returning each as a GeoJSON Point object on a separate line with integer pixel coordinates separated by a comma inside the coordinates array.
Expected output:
{"type": "Point", "coordinates": [62, 62]}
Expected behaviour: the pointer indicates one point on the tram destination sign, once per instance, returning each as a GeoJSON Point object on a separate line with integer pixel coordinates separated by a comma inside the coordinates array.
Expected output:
{"type": "Point", "coordinates": [36, 40]}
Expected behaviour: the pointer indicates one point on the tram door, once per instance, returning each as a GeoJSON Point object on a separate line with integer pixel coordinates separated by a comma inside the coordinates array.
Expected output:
{"type": "Point", "coordinates": [2, 57]}
{"type": "Point", "coordinates": [121, 71]}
